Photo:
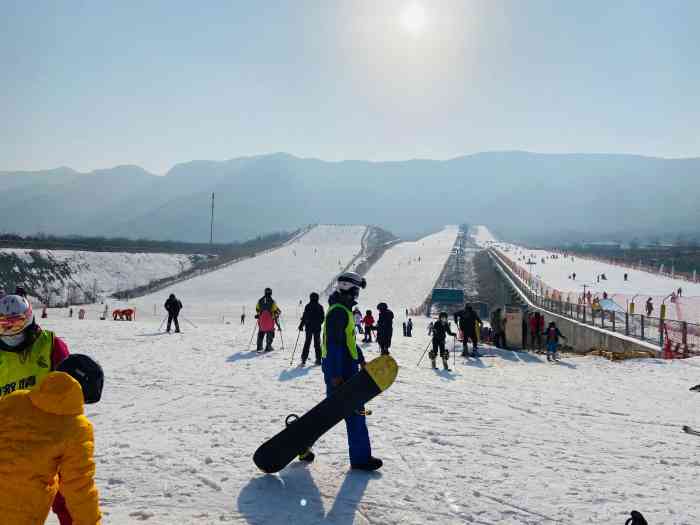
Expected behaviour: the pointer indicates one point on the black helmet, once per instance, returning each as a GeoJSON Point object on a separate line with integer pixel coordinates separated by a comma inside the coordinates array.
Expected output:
{"type": "Point", "coordinates": [268, 291]}
{"type": "Point", "coordinates": [314, 297]}
{"type": "Point", "coordinates": [443, 314]}
{"type": "Point", "coordinates": [87, 372]}
{"type": "Point", "coordinates": [382, 306]}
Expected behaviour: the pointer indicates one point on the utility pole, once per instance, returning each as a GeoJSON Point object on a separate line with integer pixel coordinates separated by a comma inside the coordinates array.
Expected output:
{"type": "Point", "coordinates": [211, 228]}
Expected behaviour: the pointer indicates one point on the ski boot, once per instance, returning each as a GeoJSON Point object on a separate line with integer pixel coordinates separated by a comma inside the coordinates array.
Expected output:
{"type": "Point", "coordinates": [476, 353]}
{"type": "Point", "coordinates": [447, 367]}
{"type": "Point", "coordinates": [432, 363]}
{"type": "Point", "coordinates": [317, 362]}
{"type": "Point", "coordinates": [371, 464]}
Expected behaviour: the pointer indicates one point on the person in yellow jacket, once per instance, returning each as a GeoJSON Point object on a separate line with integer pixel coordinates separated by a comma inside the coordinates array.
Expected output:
{"type": "Point", "coordinates": [47, 446]}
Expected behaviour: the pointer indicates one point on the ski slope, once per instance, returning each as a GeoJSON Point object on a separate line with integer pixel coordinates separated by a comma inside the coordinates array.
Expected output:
{"type": "Point", "coordinates": [407, 272]}
{"type": "Point", "coordinates": [556, 272]}
{"type": "Point", "coordinates": [306, 264]}
{"type": "Point", "coordinates": [502, 440]}
{"type": "Point", "coordinates": [481, 236]}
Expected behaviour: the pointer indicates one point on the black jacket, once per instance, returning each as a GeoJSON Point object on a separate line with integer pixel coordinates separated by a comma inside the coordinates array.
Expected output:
{"type": "Point", "coordinates": [313, 316]}
{"type": "Point", "coordinates": [385, 324]}
{"type": "Point", "coordinates": [441, 331]}
{"type": "Point", "coordinates": [466, 320]}
{"type": "Point", "coordinates": [173, 305]}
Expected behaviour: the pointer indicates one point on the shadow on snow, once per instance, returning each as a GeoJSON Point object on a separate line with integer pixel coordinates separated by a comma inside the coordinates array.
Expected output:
{"type": "Point", "coordinates": [286, 375]}
{"type": "Point", "coordinates": [293, 497]}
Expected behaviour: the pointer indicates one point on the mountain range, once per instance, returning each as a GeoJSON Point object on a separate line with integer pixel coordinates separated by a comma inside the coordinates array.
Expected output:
{"type": "Point", "coordinates": [525, 196]}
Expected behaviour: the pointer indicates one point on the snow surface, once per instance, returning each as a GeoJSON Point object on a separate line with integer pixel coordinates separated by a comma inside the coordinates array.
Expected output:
{"type": "Point", "coordinates": [113, 271]}
{"type": "Point", "coordinates": [505, 439]}
{"type": "Point", "coordinates": [508, 439]}
{"type": "Point", "coordinates": [401, 279]}
{"type": "Point", "coordinates": [308, 263]}
{"type": "Point", "coordinates": [555, 273]}
{"type": "Point", "coordinates": [481, 236]}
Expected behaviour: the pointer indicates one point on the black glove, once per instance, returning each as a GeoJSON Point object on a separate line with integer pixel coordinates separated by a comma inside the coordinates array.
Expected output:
{"type": "Point", "coordinates": [257, 316]}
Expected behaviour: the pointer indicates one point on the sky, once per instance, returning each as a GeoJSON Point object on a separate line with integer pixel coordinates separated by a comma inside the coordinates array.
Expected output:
{"type": "Point", "coordinates": [95, 84]}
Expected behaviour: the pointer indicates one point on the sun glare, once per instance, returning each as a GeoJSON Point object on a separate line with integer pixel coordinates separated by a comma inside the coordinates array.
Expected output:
{"type": "Point", "coordinates": [413, 19]}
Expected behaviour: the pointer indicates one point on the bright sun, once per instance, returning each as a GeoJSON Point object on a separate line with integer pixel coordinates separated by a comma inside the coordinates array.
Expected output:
{"type": "Point", "coordinates": [413, 19]}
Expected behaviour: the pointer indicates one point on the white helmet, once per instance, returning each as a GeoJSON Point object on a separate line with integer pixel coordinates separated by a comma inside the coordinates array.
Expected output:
{"type": "Point", "coordinates": [351, 282]}
{"type": "Point", "coordinates": [15, 315]}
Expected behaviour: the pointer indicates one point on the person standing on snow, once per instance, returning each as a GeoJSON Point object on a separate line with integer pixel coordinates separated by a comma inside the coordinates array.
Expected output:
{"type": "Point", "coordinates": [28, 354]}
{"type": "Point", "coordinates": [53, 451]}
{"type": "Point", "coordinates": [342, 359]}
{"type": "Point", "coordinates": [312, 322]}
{"type": "Point", "coordinates": [409, 327]}
{"type": "Point", "coordinates": [368, 321]}
{"type": "Point", "coordinates": [469, 323]}
{"type": "Point", "coordinates": [173, 307]}
{"type": "Point", "coordinates": [357, 315]}
{"type": "Point", "coordinates": [385, 328]}
{"type": "Point", "coordinates": [267, 315]}
{"type": "Point", "coordinates": [552, 339]}
{"type": "Point", "coordinates": [440, 331]}
{"type": "Point", "coordinates": [650, 306]}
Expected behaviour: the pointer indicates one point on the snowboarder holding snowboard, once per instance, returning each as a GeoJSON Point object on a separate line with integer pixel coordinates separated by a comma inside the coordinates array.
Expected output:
{"type": "Point", "coordinates": [342, 359]}
{"type": "Point", "coordinates": [267, 315]}
{"type": "Point", "coordinates": [385, 328]}
{"type": "Point", "coordinates": [311, 322]}
{"type": "Point", "coordinates": [173, 307]}
{"type": "Point", "coordinates": [552, 339]}
{"type": "Point", "coordinates": [440, 331]}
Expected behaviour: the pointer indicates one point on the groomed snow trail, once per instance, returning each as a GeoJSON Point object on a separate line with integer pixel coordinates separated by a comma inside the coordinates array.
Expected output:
{"type": "Point", "coordinates": [508, 439]}
{"type": "Point", "coordinates": [407, 272]}
{"type": "Point", "coordinates": [309, 263]}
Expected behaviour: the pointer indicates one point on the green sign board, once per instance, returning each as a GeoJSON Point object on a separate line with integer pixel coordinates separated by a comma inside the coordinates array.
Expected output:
{"type": "Point", "coordinates": [448, 296]}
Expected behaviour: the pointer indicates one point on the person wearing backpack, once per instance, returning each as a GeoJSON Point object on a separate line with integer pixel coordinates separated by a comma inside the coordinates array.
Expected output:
{"type": "Point", "coordinates": [267, 315]}
{"type": "Point", "coordinates": [552, 335]}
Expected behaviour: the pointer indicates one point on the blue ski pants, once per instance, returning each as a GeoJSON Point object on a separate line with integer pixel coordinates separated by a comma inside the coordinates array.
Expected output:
{"type": "Point", "coordinates": [358, 436]}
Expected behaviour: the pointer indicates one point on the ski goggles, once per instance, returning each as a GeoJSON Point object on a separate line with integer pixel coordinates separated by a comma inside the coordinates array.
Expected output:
{"type": "Point", "coordinates": [13, 324]}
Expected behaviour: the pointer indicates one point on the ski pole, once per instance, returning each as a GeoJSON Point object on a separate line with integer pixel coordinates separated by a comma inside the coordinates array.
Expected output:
{"type": "Point", "coordinates": [251, 336]}
{"type": "Point", "coordinates": [454, 351]}
{"type": "Point", "coordinates": [291, 361]}
{"type": "Point", "coordinates": [277, 322]}
{"type": "Point", "coordinates": [423, 354]}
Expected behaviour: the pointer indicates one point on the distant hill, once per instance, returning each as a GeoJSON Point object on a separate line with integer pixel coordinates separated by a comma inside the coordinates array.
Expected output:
{"type": "Point", "coordinates": [527, 196]}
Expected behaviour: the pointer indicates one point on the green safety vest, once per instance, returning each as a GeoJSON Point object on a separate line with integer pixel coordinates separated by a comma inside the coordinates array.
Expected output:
{"type": "Point", "coordinates": [349, 332]}
{"type": "Point", "coordinates": [25, 370]}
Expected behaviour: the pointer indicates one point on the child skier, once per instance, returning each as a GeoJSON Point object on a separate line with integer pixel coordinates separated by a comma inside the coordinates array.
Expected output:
{"type": "Point", "coordinates": [385, 328]}
{"type": "Point", "coordinates": [368, 321]}
{"type": "Point", "coordinates": [357, 315]}
{"type": "Point", "coordinates": [440, 331]}
{"type": "Point", "coordinates": [552, 339]}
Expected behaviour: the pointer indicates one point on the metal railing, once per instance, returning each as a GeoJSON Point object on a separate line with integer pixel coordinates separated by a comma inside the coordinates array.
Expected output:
{"type": "Point", "coordinates": [683, 337]}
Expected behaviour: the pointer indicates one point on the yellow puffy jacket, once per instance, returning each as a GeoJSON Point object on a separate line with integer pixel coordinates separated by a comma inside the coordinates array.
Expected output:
{"type": "Point", "coordinates": [46, 441]}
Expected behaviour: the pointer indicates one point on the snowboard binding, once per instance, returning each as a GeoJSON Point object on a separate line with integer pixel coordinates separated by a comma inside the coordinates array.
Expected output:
{"type": "Point", "coordinates": [307, 454]}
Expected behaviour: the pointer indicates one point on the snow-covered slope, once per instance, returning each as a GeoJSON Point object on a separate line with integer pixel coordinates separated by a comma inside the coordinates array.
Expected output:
{"type": "Point", "coordinates": [503, 440]}
{"type": "Point", "coordinates": [555, 273]}
{"type": "Point", "coordinates": [481, 236]}
{"type": "Point", "coordinates": [294, 270]}
{"type": "Point", "coordinates": [108, 272]}
{"type": "Point", "coordinates": [406, 273]}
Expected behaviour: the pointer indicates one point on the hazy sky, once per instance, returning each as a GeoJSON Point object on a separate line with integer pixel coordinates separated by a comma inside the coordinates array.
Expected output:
{"type": "Point", "coordinates": [90, 85]}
